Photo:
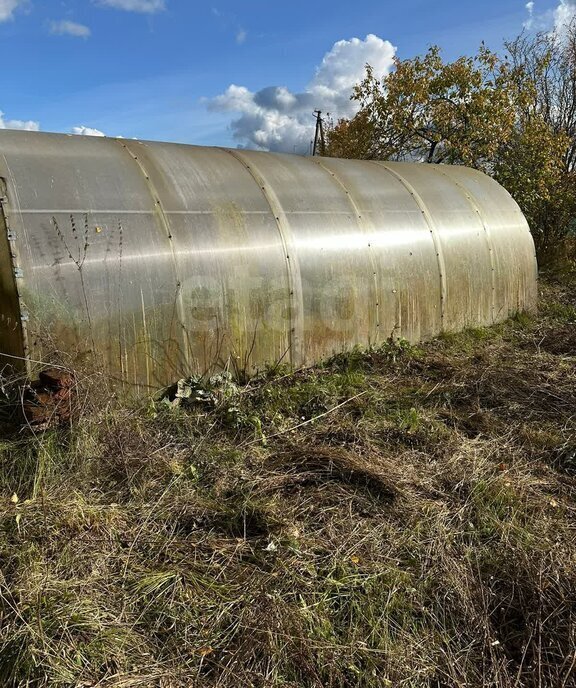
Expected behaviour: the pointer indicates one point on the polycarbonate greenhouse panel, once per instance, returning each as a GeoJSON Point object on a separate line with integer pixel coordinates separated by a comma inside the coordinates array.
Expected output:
{"type": "Point", "coordinates": [155, 261]}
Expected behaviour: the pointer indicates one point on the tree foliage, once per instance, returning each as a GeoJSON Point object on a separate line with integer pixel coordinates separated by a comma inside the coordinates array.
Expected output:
{"type": "Point", "coordinates": [434, 111]}
{"type": "Point", "coordinates": [513, 117]}
{"type": "Point", "coordinates": [538, 163]}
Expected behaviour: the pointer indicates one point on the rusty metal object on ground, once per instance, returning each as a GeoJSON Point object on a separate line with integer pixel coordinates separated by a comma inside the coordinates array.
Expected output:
{"type": "Point", "coordinates": [51, 400]}
{"type": "Point", "coordinates": [163, 261]}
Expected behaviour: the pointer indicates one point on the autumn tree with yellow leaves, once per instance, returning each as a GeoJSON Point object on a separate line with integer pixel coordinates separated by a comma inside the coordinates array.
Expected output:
{"type": "Point", "coordinates": [513, 117]}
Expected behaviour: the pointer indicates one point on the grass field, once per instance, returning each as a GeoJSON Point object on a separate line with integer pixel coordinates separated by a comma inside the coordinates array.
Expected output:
{"type": "Point", "coordinates": [398, 517]}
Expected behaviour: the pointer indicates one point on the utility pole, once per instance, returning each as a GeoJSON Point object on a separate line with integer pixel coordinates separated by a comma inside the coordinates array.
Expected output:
{"type": "Point", "coordinates": [319, 147]}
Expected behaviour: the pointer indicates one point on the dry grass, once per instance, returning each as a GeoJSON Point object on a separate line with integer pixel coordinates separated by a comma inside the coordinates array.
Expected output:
{"type": "Point", "coordinates": [420, 534]}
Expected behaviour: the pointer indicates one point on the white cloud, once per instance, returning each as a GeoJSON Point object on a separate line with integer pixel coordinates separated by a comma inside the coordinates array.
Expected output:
{"type": "Point", "coordinates": [555, 19]}
{"type": "Point", "coordinates": [144, 6]}
{"type": "Point", "coordinates": [228, 22]}
{"type": "Point", "coordinates": [87, 131]}
{"type": "Point", "coordinates": [276, 119]}
{"type": "Point", "coordinates": [564, 14]}
{"type": "Point", "coordinates": [530, 21]}
{"type": "Point", "coordinates": [7, 8]}
{"type": "Point", "coordinates": [69, 28]}
{"type": "Point", "coordinates": [28, 125]}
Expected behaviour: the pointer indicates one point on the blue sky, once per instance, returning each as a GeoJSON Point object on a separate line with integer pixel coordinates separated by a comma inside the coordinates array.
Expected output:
{"type": "Point", "coordinates": [162, 69]}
